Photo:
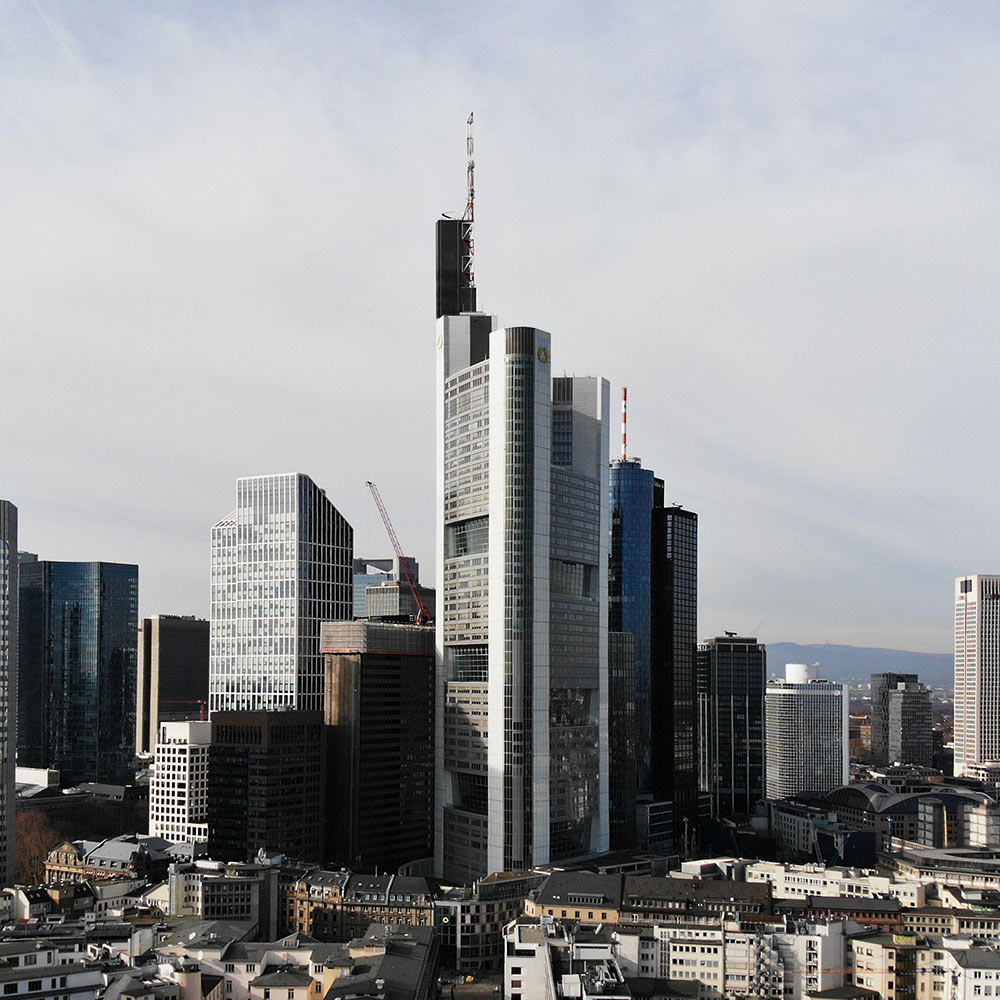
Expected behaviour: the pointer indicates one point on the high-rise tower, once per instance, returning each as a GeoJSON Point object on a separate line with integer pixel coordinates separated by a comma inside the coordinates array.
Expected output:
{"type": "Point", "coordinates": [653, 594]}
{"type": "Point", "coordinates": [807, 733]}
{"type": "Point", "coordinates": [281, 564]}
{"type": "Point", "coordinates": [521, 633]}
{"type": "Point", "coordinates": [77, 669]}
{"type": "Point", "coordinates": [8, 685]}
{"type": "Point", "coordinates": [977, 671]}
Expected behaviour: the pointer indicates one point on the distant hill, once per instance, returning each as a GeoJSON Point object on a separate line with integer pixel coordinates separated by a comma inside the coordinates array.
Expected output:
{"type": "Point", "coordinates": [842, 663]}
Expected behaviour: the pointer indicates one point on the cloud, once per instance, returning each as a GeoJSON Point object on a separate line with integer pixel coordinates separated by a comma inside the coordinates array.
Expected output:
{"type": "Point", "coordinates": [776, 224]}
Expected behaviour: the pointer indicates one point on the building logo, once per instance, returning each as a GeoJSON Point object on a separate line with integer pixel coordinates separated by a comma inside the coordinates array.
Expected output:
{"type": "Point", "coordinates": [543, 355]}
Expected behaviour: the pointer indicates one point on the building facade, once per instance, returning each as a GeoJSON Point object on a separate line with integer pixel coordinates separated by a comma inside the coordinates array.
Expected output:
{"type": "Point", "coordinates": [653, 591]}
{"type": "Point", "coordinates": [178, 790]}
{"type": "Point", "coordinates": [8, 686]}
{"type": "Point", "coordinates": [977, 671]}
{"type": "Point", "coordinates": [731, 671]}
{"type": "Point", "coordinates": [380, 740]}
{"type": "Point", "coordinates": [77, 669]}
{"type": "Point", "coordinates": [172, 681]}
{"type": "Point", "coordinates": [622, 783]}
{"type": "Point", "coordinates": [902, 720]}
{"type": "Point", "coordinates": [281, 564]}
{"type": "Point", "coordinates": [522, 549]}
{"type": "Point", "coordinates": [266, 785]}
{"type": "Point", "coordinates": [807, 724]}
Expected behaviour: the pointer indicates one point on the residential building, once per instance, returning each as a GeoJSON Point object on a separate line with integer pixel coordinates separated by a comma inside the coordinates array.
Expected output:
{"type": "Point", "coordinates": [730, 684]}
{"type": "Point", "coordinates": [977, 671]}
{"type": "Point", "coordinates": [380, 743]}
{"type": "Point", "coordinates": [8, 686]}
{"type": "Point", "coordinates": [522, 546]}
{"type": "Point", "coordinates": [808, 745]}
{"type": "Point", "coordinates": [547, 960]}
{"type": "Point", "coordinates": [172, 682]}
{"type": "Point", "coordinates": [77, 669]}
{"type": "Point", "coordinates": [901, 720]}
{"type": "Point", "coordinates": [281, 564]}
{"type": "Point", "coordinates": [339, 905]}
{"type": "Point", "coordinates": [134, 855]}
{"type": "Point", "coordinates": [178, 789]}
{"type": "Point", "coordinates": [652, 580]}
{"type": "Point", "coordinates": [266, 785]}
{"type": "Point", "coordinates": [215, 890]}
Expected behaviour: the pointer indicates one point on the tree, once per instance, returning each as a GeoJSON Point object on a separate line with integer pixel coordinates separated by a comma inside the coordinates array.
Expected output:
{"type": "Point", "coordinates": [35, 838]}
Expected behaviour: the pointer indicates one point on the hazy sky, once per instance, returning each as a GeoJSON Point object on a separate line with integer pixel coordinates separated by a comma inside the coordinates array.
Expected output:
{"type": "Point", "coordinates": [776, 223]}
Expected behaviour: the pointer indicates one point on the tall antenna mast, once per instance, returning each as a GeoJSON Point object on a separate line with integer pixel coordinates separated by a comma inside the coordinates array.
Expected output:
{"type": "Point", "coordinates": [469, 216]}
{"type": "Point", "coordinates": [624, 424]}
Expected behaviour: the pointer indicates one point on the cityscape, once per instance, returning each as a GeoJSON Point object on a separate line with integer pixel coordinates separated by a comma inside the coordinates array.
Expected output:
{"type": "Point", "coordinates": [528, 764]}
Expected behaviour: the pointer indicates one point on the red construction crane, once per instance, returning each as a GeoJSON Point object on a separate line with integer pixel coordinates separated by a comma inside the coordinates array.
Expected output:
{"type": "Point", "coordinates": [423, 615]}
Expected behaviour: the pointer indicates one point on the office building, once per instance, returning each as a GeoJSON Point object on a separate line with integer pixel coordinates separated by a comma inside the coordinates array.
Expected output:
{"type": "Point", "coordinates": [77, 669]}
{"type": "Point", "coordinates": [807, 726]}
{"type": "Point", "coordinates": [266, 785]}
{"type": "Point", "coordinates": [380, 739]}
{"type": "Point", "coordinates": [8, 685]}
{"type": "Point", "coordinates": [977, 671]}
{"type": "Point", "coordinates": [381, 589]}
{"type": "Point", "coordinates": [281, 564]}
{"type": "Point", "coordinates": [653, 588]}
{"type": "Point", "coordinates": [172, 682]}
{"type": "Point", "coordinates": [730, 688]}
{"type": "Point", "coordinates": [178, 790]}
{"type": "Point", "coordinates": [622, 784]}
{"type": "Point", "coordinates": [902, 720]}
{"type": "Point", "coordinates": [522, 544]}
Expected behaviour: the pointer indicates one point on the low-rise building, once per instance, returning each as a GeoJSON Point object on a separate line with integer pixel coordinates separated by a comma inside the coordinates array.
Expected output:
{"type": "Point", "coordinates": [215, 890]}
{"type": "Point", "coordinates": [790, 881]}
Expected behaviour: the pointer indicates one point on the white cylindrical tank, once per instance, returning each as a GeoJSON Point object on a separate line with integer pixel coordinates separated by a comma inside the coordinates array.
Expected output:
{"type": "Point", "coordinates": [801, 673]}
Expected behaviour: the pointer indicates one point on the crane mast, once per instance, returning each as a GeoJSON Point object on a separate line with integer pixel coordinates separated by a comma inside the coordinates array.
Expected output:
{"type": "Point", "coordinates": [423, 615]}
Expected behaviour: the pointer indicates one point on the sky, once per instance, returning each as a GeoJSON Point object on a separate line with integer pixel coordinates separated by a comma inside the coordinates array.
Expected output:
{"type": "Point", "coordinates": [778, 224]}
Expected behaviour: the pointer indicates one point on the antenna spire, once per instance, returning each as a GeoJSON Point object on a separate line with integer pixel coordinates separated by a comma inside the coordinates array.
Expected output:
{"type": "Point", "coordinates": [469, 216]}
{"type": "Point", "coordinates": [624, 424]}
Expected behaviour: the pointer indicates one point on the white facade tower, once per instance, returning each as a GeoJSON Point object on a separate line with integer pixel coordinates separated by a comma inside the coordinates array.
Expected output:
{"type": "Point", "coordinates": [977, 671]}
{"type": "Point", "coordinates": [281, 564]}
{"type": "Point", "coordinates": [806, 724]}
{"type": "Point", "coordinates": [522, 536]}
{"type": "Point", "coordinates": [178, 790]}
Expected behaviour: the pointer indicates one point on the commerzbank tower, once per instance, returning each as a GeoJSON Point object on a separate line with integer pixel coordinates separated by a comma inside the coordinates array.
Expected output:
{"type": "Point", "coordinates": [522, 556]}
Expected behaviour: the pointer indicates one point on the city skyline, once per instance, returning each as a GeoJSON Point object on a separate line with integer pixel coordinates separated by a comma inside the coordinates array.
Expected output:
{"type": "Point", "coordinates": [785, 218]}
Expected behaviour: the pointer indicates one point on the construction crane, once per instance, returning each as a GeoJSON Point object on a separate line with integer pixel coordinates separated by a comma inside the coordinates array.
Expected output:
{"type": "Point", "coordinates": [423, 615]}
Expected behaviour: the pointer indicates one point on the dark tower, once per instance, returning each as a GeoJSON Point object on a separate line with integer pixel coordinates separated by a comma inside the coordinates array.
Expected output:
{"type": "Point", "coordinates": [456, 279]}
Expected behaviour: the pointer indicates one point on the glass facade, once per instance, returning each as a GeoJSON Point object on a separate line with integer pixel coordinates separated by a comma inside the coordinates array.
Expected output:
{"type": "Point", "coordinates": [8, 683]}
{"type": "Point", "coordinates": [731, 673]}
{"type": "Point", "coordinates": [281, 564]}
{"type": "Point", "coordinates": [77, 669]}
{"type": "Point", "coordinates": [522, 623]}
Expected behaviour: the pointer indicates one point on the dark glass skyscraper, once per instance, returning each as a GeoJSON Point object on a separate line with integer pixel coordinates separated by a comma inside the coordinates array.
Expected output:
{"type": "Point", "coordinates": [8, 684]}
{"type": "Point", "coordinates": [77, 669]}
{"type": "Point", "coordinates": [653, 594]}
{"type": "Point", "coordinates": [730, 689]}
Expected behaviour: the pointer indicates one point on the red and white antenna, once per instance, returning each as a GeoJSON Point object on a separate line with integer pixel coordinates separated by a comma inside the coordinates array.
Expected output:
{"type": "Point", "coordinates": [624, 424]}
{"type": "Point", "coordinates": [469, 216]}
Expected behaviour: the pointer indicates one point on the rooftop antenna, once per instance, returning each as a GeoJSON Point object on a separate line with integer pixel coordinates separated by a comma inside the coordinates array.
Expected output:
{"type": "Point", "coordinates": [624, 424]}
{"type": "Point", "coordinates": [469, 215]}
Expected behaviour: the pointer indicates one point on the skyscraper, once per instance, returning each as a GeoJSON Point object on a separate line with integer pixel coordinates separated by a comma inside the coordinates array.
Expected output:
{"type": "Point", "coordinates": [281, 564]}
{"type": "Point", "coordinates": [8, 685]}
{"type": "Point", "coordinates": [522, 536]}
{"type": "Point", "coordinates": [901, 720]}
{"type": "Point", "coordinates": [77, 669]}
{"type": "Point", "coordinates": [730, 691]}
{"type": "Point", "coordinates": [172, 682]}
{"type": "Point", "coordinates": [653, 594]}
{"type": "Point", "coordinates": [380, 740]}
{"type": "Point", "coordinates": [178, 790]}
{"type": "Point", "coordinates": [977, 671]}
{"type": "Point", "coordinates": [807, 733]}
